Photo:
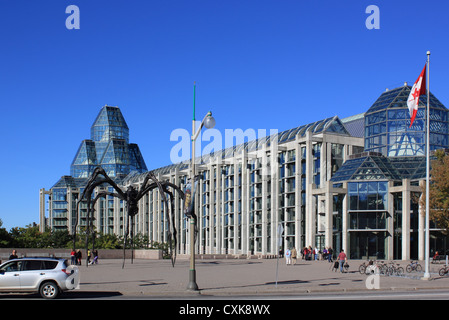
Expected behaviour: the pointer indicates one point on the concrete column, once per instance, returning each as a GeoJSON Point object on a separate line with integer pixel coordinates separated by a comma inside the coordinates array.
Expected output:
{"type": "Point", "coordinates": [329, 210]}
{"type": "Point", "coordinates": [245, 204]}
{"type": "Point", "coordinates": [422, 224]}
{"type": "Point", "coordinates": [274, 167]}
{"type": "Point", "coordinates": [234, 235]}
{"type": "Point", "coordinates": [264, 201]}
{"type": "Point", "coordinates": [116, 214]}
{"type": "Point", "coordinates": [221, 192]}
{"type": "Point", "coordinates": [390, 223]}
{"type": "Point", "coordinates": [310, 213]}
{"type": "Point", "coordinates": [218, 201]}
{"type": "Point", "coordinates": [298, 234]}
{"type": "Point", "coordinates": [405, 219]}
{"type": "Point", "coordinates": [345, 225]}
{"type": "Point", "coordinates": [42, 219]}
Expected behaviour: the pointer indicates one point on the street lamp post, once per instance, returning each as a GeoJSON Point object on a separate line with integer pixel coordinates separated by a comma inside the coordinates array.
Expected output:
{"type": "Point", "coordinates": [208, 122]}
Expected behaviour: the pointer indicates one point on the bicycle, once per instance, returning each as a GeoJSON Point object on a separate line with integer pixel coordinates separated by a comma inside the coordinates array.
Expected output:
{"type": "Point", "coordinates": [413, 266]}
{"type": "Point", "coordinates": [443, 271]}
{"type": "Point", "coordinates": [375, 267]}
{"type": "Point", "coordinates": [363, 266]}
{"type": "Point", "coordinates": [395, 269]}
{"type": "Point", "coordinates": [383, 267]}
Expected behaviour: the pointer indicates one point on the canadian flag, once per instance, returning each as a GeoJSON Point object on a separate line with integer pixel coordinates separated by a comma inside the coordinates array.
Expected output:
{"type": "Point", "coordinates": [418, 89]}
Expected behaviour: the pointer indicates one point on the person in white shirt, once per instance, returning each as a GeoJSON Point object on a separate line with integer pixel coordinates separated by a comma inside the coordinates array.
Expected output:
{"type": "Point", "coordinates": [288, 255]}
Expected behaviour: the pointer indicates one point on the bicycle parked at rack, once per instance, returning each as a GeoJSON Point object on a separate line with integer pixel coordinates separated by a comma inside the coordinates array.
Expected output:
{"type": "Point", "coordinates": [413, 266]}
{"type": "Point", "coordinates": [395, 269]}
{"type": "Point", "coordinates": [373, 267]}
{"type": "Point", "coordinates": [363, 266]}
{"type": "Point", "coordinates": [443, 271]}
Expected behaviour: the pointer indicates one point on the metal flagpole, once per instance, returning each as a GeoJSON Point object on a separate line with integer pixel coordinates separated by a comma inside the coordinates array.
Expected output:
{"type": "Point", "coordinates": [427, 273]}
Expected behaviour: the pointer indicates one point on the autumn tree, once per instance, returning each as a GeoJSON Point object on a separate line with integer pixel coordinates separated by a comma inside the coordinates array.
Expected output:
{"type": "Point", "coordinates": [439, 190]}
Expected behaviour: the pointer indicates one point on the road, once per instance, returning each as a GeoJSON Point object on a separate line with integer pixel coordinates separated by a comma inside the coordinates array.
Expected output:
{"type": "Point", "coordinates": [435, 294]}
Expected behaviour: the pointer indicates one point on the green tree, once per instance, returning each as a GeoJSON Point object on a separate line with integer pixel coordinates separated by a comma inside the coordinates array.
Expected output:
{"type": "Point", "coordinates": [107, 241]}
{"type": "Point", "coordinates": [5, 237]}
{"type": "Point", "coordinates": [28, 237]}
{"type": "Point", "coordinates": [60, 239]}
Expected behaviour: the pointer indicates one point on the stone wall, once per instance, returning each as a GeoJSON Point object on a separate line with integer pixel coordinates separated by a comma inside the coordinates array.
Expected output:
{"type": "Point", "coordinates": [65, 253]}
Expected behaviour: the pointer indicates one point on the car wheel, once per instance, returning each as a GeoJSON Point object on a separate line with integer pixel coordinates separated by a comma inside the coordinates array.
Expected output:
{"type": "Point", "coordinates": [49, 290]}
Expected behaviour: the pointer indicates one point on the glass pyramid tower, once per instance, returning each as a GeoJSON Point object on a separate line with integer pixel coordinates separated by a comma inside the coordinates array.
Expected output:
{"type": "Point", "coordinates": [109, 147]}
{"type": "Point", "coordinates": [387, 125]}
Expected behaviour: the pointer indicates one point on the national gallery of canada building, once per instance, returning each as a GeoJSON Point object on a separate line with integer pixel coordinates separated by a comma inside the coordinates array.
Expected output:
{"type": "Point", "coordinates": [351, 183]}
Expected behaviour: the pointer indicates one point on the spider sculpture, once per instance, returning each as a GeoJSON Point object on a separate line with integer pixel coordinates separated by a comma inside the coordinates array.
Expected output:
{"type": "Point", "coordinates": [131, 197]}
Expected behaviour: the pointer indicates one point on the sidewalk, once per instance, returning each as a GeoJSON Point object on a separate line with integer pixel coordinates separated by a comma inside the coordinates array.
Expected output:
{"type": "Point", "coordinates": [240, 277]}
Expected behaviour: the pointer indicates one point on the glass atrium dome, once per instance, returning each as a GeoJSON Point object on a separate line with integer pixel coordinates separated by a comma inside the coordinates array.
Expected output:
{"type": "Point", "coordinates": [387, 125]}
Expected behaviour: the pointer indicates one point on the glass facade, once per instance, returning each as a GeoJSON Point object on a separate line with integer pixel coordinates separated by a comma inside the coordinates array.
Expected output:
{"type": "Point", "coordinates": [243, 199]}
{"type": "Point", "coordinates": [368, 196]}
{"type": "Point", "coordinates": [368, 205]}
{"type": "Point", "coordinates": [394, 151]}
{"type": "Point", "coordinates": [109, 147]}
{"type": "Point", "coordinates": [374, 166]}
{"type": "Point", "coordinates": [387, 125]}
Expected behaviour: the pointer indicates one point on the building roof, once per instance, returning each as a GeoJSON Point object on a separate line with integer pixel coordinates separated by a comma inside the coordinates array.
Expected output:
{"type": "Point", "coordinates": [331, 125]}
{"type": "Point", "coordinates": [70, 182]}
{"type": "Point", "coordinates": [375, 166]}
{"type": "Point", "coordinates": [355, 125]}
{"type": "Point", "coordinates": [397, 98]}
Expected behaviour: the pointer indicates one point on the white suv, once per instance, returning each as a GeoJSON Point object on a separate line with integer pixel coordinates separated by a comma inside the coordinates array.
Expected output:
{"type": "Point", "coordinates": [47, 276]}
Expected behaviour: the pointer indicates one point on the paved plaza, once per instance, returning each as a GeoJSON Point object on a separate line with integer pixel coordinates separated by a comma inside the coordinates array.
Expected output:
{"type": "Point", "coordinates": [240, 277]}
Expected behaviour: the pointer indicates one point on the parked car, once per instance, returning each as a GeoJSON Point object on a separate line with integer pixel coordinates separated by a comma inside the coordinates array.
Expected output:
{"type": "Point", "coordinates": [46, 276]}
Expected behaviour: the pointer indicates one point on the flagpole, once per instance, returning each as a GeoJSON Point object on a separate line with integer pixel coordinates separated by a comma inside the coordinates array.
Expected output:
{"type": "Point", "coordinates": [427, 273]}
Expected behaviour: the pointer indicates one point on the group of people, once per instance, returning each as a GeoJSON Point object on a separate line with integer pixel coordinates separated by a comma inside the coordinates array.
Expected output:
{"type": "Point", "coordinates": [76, 256]}
{"type": "Point", "coordinates": [290, 256]}
{"type": "Point", "coordinates": [307, 253]}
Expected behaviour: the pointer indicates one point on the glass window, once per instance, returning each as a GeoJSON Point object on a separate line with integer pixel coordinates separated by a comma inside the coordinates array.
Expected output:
{"type": "Point", "coordinates": [363, 201]}
{"type": "Point", "coordinates": [353, 202]}
{"type": "Point", "coordinates": [367, 220]}
{"type": "Point", "coordinates": [368, 195]}
{"type": "Point", "coordinates": [352, 187]}
{"type": "Point", "coordinates": [32, 265]}
{"type": "Point", "coordinates": [12, 266]}
{"type": "Point", "coordinates": [363, 187]}
{"type": "Point", "coordinates": [59, 194]}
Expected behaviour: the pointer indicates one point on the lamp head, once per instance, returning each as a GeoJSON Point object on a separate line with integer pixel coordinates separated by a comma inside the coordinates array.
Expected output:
{"type": "Point", "coordinates": [209, 123]}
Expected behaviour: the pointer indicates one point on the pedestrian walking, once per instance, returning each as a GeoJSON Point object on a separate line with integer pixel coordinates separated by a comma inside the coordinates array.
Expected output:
{"type": "Point", "coordinates": [95, 261]}
{"type": "Point", "coordinates": [307, 253]}
{"type": "Point", "coordinates": [294, 254]}
{"type": "Point", "coordinates": [78, 256]}
{"type": "Point", "coordinates": [330, 252]}
{"type": "Point", "coordinates": [89, 254]}
{"type": "Point", "coordinates": [288, 259]}
{"type": "Point", "coordinates": [342, 259]}
{"type": "Point", "coordinates": [72, 257]}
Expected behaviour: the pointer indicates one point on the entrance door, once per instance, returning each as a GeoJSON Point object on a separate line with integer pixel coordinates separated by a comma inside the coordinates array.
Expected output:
{"type": "Point", "coordinates": [367, 245]}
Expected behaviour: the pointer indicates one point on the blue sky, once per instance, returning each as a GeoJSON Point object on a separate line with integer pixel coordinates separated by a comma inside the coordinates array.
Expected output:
{"type": "Point", "coordinates": [259, 64]}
